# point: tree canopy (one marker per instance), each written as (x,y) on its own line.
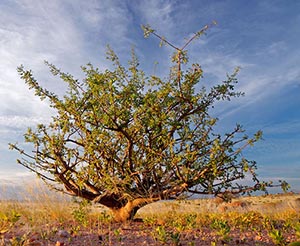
(124,139)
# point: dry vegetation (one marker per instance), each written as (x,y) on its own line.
(45,219)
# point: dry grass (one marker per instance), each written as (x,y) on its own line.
(44,218)
(264,204)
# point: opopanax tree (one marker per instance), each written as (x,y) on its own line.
(124,139)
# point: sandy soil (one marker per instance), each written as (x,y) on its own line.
(140,232)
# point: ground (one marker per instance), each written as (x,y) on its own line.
(252,221)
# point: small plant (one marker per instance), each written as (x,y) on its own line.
(268,223)
(175,238)
(294,244)
(105,217)
(277,237)
(223,229)
(7,221)
(80,214)
(75,229)
(252,218)
(149,220)
(117,233)
(19,241)
(44,235)
(297,230)
(191,220)
(161,234)
(178,225)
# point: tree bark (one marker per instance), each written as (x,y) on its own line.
(128,211)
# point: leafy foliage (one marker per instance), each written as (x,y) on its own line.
(120,135)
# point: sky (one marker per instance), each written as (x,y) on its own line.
(260,36)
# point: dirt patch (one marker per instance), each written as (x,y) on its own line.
(139,233)
(244,221)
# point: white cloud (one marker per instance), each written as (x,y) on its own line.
(8,178)
(103,23)
(71,33)
(258,79)
(16,121)
(34,32)
(30,32)
(291,127)
(157,13)
(60,32)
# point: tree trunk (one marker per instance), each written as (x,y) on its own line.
(128,211)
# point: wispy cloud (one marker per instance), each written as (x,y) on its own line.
(8,179)
(32,32)
(18,122)
(68,34)
(263,39)
(158,14)
(261,42)
(284,128)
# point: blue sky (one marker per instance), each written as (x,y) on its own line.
(262,37)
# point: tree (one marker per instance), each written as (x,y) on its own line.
(124,140)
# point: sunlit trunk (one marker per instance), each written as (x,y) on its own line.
(128,211)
